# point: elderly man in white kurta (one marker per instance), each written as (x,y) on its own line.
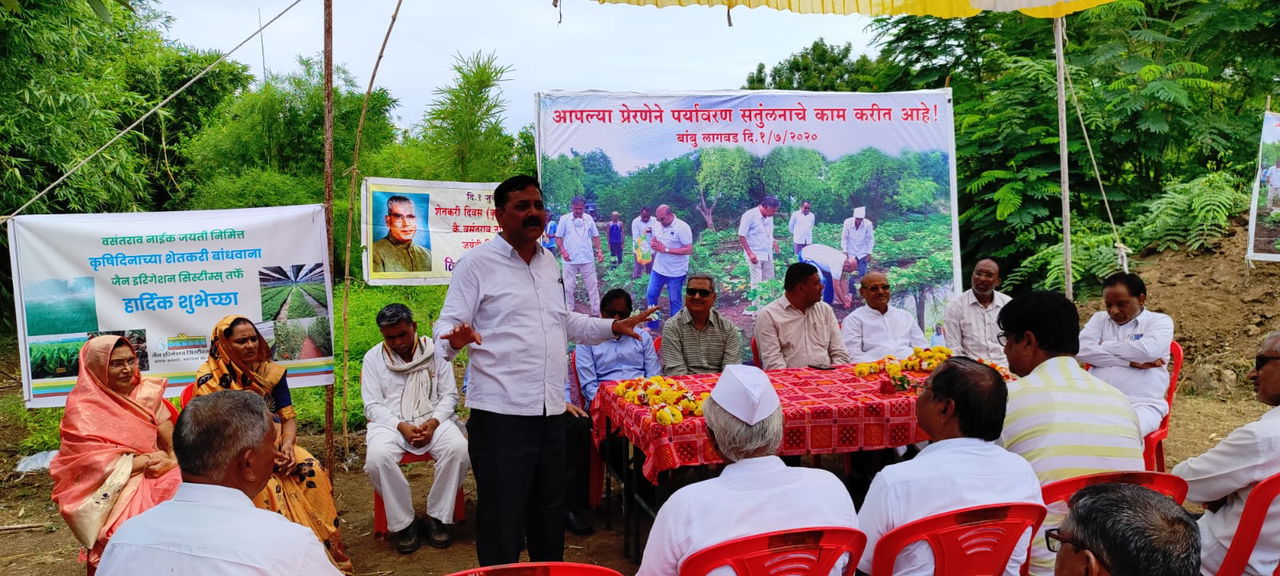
(756,492)
(858,239)
(961,407)
(1127,346)
(878,329)
(409,396)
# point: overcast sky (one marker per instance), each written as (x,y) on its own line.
(604,47)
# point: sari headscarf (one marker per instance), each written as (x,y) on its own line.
(225,370)
(101,432)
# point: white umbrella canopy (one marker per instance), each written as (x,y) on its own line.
(1055,9)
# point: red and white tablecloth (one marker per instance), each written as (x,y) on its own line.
(824,412)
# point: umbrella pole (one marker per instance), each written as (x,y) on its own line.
(1059,26)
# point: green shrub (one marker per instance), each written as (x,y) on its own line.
(1192,215)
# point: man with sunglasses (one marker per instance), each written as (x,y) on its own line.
(961,407)
(397,252)
(1127,345)
(1124,530)
(699,340)
(1223,477)
(1063,420)
(620,358)
(878,329)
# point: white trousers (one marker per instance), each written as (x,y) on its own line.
(760,271)
(382,463)
(1149,418)
(588,272)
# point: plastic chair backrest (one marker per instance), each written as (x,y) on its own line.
(1167,484)
(187,393)
(575,388)
(657,346)
(755,354)
(975,540)
(1175,368)
(540,569)
(799,552)
(1255,511)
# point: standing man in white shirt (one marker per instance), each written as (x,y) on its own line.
(756,492)
(961,407)
(1223,477)
(409,395)
(1128,347)
(799,329)
(504,299)
(672,244)
(642,229)
(755,235)
(878,329)
(801,226)
(577,236)
(858,239)
(969,323)
(225,445)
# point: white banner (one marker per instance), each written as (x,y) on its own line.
(163,280)
(414,231)
(1264,211)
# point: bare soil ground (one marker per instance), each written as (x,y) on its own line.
(1221,313)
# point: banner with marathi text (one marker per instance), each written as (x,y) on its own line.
(415,231)
(163,280)
(863,179)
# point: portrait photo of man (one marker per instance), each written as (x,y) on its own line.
(401,250)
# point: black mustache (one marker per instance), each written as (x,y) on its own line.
(532,221)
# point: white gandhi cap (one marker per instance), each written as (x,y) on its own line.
(745,392)
(860,212)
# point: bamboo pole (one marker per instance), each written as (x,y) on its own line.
(328,202)
(1059,30)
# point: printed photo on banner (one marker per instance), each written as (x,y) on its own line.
(414,231)
(163,281)
(753,181)
(1264,214)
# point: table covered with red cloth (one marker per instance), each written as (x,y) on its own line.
(824,412)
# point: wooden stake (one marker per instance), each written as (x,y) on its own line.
(328,203)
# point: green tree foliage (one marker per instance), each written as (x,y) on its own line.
(462,129)
(795,175)
(724,174)
(822,67)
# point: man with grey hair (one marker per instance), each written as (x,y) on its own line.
(409,395)
(756,493)
(576,237)
(225,445)
(1125,530)
(397,252)
(755,235)
(699,339)
(1223,477)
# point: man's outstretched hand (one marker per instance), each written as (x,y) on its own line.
(627,326)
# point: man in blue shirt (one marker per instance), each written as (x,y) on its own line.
(616,359)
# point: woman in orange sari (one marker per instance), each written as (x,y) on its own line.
(239,359)
(116,458)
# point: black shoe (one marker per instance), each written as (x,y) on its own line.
(406,541)
(579,523)
(438,534)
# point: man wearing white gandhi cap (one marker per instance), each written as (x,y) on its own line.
(858,239)
(755,493)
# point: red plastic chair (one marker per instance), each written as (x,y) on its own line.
(657,345)
(380,515)
(540,569)
(187,393)
(976,540)
(755,355)
(1251,519)
(1167,484)
(1153,444)
(800,552)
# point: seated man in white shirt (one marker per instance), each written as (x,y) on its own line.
(756,492)
(619,358)
(1125,529)
(961,407)
(970,319)
(878,329)
(1223,477)
(409,394)
(1127,346)
(799,329)
(225,445)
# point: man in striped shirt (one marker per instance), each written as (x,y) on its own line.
(698,340)
(1063,420)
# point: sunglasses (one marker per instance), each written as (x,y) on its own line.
(697,292)
(1053,540)
(1260,361)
